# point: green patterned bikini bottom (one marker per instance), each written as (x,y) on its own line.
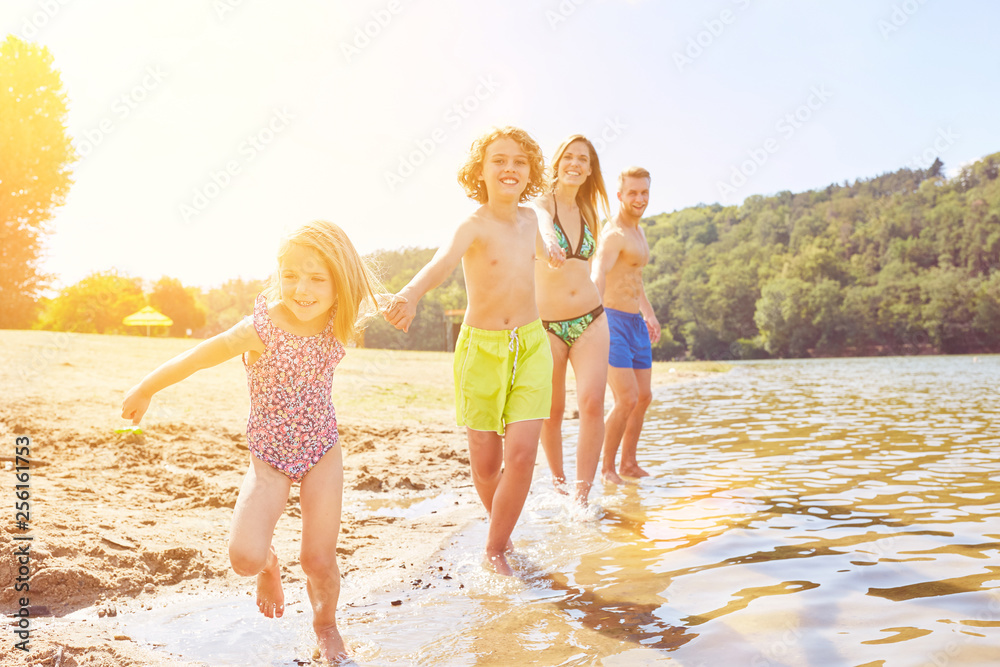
(569,331)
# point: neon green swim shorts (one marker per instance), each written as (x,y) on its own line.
(502,377)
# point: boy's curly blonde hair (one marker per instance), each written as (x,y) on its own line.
(470,172)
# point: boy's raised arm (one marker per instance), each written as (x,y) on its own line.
(212,352)
(444,261)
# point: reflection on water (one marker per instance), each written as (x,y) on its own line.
(820,512)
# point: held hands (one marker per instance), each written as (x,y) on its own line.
(135,404)
(556,255)
(401,313)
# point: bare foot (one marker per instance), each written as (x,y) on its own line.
(499,564)
(632,471)
(331,644)
(270,596)
(611,477)
(560,485)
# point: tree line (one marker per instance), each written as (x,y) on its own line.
(902,263)
(99,303)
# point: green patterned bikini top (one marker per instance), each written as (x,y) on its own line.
(587,245)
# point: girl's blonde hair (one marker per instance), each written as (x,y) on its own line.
(355,287)
(470,172)
(592,193)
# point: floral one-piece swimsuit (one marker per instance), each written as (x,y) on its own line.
(292,422)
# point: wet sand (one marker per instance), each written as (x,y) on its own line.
(120,521)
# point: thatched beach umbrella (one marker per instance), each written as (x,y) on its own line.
(148,317)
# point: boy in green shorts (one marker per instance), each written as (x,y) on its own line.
(503,364)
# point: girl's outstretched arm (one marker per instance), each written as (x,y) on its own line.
(212,352)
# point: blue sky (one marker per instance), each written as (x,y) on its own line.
(208,127)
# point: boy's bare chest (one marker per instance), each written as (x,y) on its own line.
(515,249)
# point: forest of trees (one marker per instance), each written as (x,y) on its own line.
(99,303)
(903,263)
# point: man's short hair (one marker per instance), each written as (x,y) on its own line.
(632,172)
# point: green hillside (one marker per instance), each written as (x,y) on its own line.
(902,263)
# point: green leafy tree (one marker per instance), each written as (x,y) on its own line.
(96,304)
(429,329)
(226,305)
(35,155)
(179,303)
(783,317)
(949,308)
(986,321)
(899,323)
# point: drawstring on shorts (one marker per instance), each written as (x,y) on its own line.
(513,346)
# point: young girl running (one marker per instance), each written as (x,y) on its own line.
(322,292)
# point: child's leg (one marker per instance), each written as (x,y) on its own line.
(486,460)
(552,428)
(519,451)
(322,495)
(259,506)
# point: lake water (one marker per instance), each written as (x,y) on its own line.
(816,512)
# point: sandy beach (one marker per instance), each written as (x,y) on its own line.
(121,520)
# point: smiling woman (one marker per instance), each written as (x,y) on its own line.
(570,304)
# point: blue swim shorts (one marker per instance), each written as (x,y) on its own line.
(630,346)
